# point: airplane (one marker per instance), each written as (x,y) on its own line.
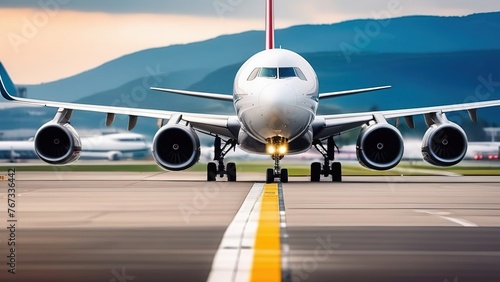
(275,96)
(115,146)
(15,150)
(112,147)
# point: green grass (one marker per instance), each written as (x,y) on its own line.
(294,170)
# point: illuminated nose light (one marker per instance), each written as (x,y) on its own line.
(271,149)
(277,149)
(283,149)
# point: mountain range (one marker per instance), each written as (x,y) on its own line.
(428,61)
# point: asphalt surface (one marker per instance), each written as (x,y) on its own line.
(408,229)
(167,227)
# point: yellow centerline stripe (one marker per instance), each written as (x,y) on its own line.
(267,254)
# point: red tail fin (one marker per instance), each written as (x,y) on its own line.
(270,24)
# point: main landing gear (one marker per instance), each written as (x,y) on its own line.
(219,169)
(325,169)
(277,147)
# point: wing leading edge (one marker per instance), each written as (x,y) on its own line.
(351,92)
(214,96)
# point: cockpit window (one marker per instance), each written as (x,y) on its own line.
(287,72)
(254,74)
(274,73)
(269,72)
(300,74)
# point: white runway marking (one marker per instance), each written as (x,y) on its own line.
(443,215)
(462,222)
(233,260)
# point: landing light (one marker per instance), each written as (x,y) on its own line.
(271,150)
(277,149)
(283,149)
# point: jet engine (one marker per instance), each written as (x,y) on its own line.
(444,144)
(176,147)
(380,146)
(57,143)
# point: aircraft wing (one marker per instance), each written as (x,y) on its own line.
(214,96)
(335,124)
(350,92)
(216,124)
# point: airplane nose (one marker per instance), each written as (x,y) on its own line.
(277,94)
(277,104)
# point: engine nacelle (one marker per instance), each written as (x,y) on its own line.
(57,143)
(176,147)
(444,144)
(380,146)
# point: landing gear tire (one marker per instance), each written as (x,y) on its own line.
(315,172)
(284,175)
(219,169)
(336,172)
(269,176)
(326,169)
(211,172)
(231,172)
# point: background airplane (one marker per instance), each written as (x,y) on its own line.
(113,147)
(483,151)
(276,96)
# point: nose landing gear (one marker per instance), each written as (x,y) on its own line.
(277,147)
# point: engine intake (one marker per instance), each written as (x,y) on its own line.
(444,144)
(57,143)
(379,146)
(176,147)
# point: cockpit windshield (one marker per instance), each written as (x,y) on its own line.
(277,73)
(287,72)
(269,72)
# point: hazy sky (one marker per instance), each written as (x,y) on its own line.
(44,40)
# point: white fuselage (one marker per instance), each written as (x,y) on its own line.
(115,146)
(276,95)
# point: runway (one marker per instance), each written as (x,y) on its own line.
(169,226)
